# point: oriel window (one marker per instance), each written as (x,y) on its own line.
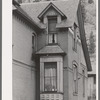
(52,32)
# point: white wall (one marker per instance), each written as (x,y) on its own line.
(24,81)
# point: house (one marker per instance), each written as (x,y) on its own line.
(50,55)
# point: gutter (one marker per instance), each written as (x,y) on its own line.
(83,38)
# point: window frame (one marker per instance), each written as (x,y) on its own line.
(83,73)
(75,79)
(59,60)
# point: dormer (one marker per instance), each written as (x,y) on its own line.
(51,11)
(51,16)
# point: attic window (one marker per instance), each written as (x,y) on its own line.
(52,21)
(52,33)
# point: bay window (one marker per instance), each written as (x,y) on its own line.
(51,74)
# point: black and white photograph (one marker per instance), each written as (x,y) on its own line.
(54,51)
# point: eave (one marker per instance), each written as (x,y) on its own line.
(23,16)
(51,50)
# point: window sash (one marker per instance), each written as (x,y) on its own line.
(52,24)
(50,76)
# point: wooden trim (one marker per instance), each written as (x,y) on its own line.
(23,16)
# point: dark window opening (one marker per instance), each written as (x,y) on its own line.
(75,38)
(75,75)
(83,82)
(33,41)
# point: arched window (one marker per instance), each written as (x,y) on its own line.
(83,72)
(75,79)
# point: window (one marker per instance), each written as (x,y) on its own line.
(75,76)
(52,33)
(50,76)
(83,72)
(75,38)
(33,41)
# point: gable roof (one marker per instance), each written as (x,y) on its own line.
(35,9)
(51,5)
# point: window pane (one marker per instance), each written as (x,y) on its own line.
(47,84)
(52,24)
(52,38)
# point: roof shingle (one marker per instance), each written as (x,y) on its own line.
(51,49)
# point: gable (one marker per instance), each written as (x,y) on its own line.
(51,6)
(51,12)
